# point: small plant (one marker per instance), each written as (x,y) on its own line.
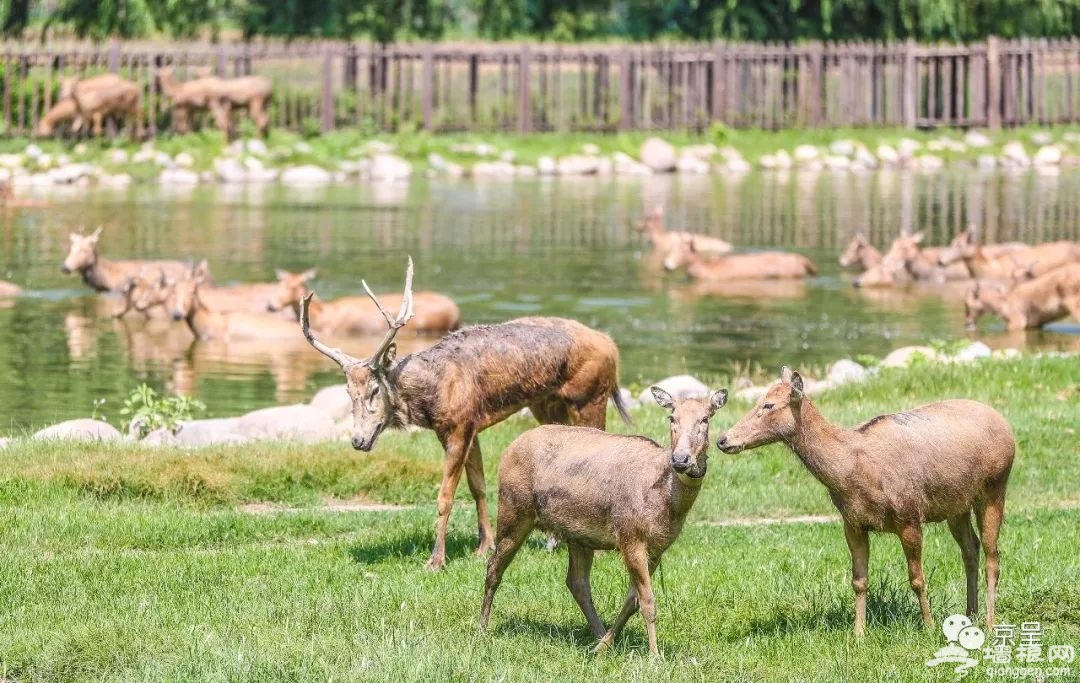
(96,414)
(868,360)
(146,411)
(948,347)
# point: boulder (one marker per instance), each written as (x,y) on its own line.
(178,176)
(907,147)
(843,148)
(547,166)
(117,156)
(986,162)
(903,356)
(300,422)
(1048,155)
(887,155)
(783,160)
(184,160)
(32,151)
(333,401)
(198,433)
(971,352)
(846,371)
(624,164)
(229,170)
(493,169)
(767,161)
(588,149)
(525,171)
(256,147)
(577,164)
(804,154)
(82,430)
(1014,154)
(66,175)
(865,159)
(930,163)
(114,180)
(706,151)
(837,163)
(679,386)
(977,139)
(305,175)
(1042,138)
(659,155)
(736,165)
(389,167)
(692,165)
(11,160)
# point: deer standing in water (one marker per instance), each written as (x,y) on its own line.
(938,462)
(860,252)
(563,371)
(664,240)
(1029,304)
(764,265)
(574,483)
(105,275)
(992,265)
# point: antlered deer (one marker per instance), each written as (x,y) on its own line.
(358,314)
(573,482)
(860,252)
(938,462)
(1030,304)
(563,371)
(765,265)
(663,241)
(984,264)
(105,275)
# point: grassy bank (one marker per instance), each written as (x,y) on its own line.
(122,564)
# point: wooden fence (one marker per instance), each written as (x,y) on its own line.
(538,87)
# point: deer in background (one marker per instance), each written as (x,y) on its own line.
(563,371)
(64,110)
(663,241)
(190,97)
(938,462)
(986,264)
(10,289)
(573,482)
(358,314)
(105,275)
(765,265)
(184,302)
(150,290)
(105,95)
(1029,304)
(860,252)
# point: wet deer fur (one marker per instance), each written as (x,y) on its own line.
(894,473)
(1028,305)
(664,240)
(563,371)
(860,252)
(106,275)
(984,264)
(574,483)
(764,265)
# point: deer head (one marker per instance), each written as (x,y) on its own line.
(291,288)
(369,381)
(681,253)
(855,248)
(183,295)
(962,247)
(144,290)
(773,418)
(689,421)
(83,252)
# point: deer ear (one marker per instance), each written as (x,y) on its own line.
(717,399)
(97,233)
(281,274)
(797,392)
(663,398)
(390,355)
(785,375)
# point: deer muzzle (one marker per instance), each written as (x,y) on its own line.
(362,442)
(726,446)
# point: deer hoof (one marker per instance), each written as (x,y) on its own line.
(602,646)
(435,564)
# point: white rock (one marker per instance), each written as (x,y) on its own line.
(437,161)
(162,159)
(117,156)
(83,430)
(229,170)
(977,139)
(547,166)
(65,175)
(751,394)
(706,151)
(604,166)
(1048,155)
(256,147)
(1071,137)
(783,160)
(196,433)
(333,402)
(302,147)
(290,423)
(907,147)
(887,155)
(485,150)
(837,163)
(930,163)
(767,161)
(305,175)
(114,180)
(509,156)
(44,160)
(1042,138)
(692,165)
(11,160)
(986,162)
(493,169)
(1014,154)
(804,154)
(143,156)
(843,148)
(737,166)
(348,166)
(32,151)
(679,386)
(937,145)
(624,164)
(525,171)
(973,351)
(390,167)
(903,356)
(253,164)
(864,158)
(80,149)
(184,160)
(178,176)
(659,155)
(577,164)
(846,371)
(588,148)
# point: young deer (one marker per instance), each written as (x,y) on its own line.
(664,240)
(357,314)
(938,462)
(103,274)
(860,252)
(573,482)
(563,371)
(146,291)
(1029,304)
(184,302)
(984,264)
(765,265)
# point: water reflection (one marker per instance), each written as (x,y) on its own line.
(548,246)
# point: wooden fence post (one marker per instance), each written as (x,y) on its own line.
(427,85)
(114,56)
(626,89)
(817,86)
(222,67)
(911,84)
(525,90)
(327,90)
(719,80)
(993,83)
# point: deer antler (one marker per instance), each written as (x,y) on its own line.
(337,355)
(395,323)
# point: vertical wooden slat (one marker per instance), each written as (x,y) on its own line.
(993,84)
(911,85)
(626,90)
(525,118)
(327,105)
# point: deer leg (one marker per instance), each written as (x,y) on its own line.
(630,605)
(98,118)
(858,541)
(577,580)
(961,529)
(990,514)
(911,540)
(514,528)
(457,449)
(594,413)
(474,474)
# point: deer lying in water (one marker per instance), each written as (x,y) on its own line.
(1030,304)
(184,302)
(359,315)
(765,265)
(105,275)
(148,290)
(860,252)
(573,482)
(663,241)
(987,265)
(563,371)
(938,462)
(906,261)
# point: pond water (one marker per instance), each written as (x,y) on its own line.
(501,250)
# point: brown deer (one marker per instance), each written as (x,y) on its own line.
(860,252)
(359,315)
(765,265)
(105,275)
(190,97)
(907,261)
(1030,304)
(64,110)
(107,95)
(147,291)
(663,241)
(184,302)
(989,265)
(563,371)
(251,93)
(938,462)
(573,482)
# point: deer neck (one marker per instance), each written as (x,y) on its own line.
(822,447)
(657,234)
(103,275)
(168,85)
(870,256)
(204,323)
(977,264)
(414,394)
(683,492)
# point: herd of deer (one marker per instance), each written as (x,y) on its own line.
(1026,286)
(96,98)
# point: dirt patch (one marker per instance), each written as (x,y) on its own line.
(328,505)
(773,521)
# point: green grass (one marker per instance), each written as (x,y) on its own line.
(123,564)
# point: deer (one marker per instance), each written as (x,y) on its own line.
(104,275)
(573,482)
(10,289)
(358,315)
(147,291)
(982,264)
(106,95)
(1027,305)
(251,93)
(765,265)
(860,252)
(188,97)
(563,371)
(184,302)
(664,241)
(906,260)
(894,473)
(64,110)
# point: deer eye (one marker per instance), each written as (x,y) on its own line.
(671,419)
(767,406)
